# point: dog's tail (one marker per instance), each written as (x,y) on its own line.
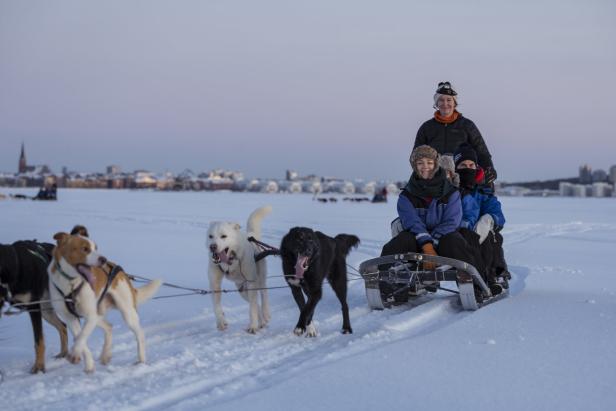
(345,242)
(147,291)
(254,221)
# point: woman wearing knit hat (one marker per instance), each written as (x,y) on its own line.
(430,212)
(448,129)
(482,218)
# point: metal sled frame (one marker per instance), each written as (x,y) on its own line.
(406,272)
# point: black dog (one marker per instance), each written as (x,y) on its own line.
(24,279)
(308,257)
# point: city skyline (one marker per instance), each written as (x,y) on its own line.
(586,173)
(330,88)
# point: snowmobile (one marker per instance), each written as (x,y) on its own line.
(394,279)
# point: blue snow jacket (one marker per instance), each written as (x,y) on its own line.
(430,219)
(477,202)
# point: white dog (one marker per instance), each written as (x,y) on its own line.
(233,257)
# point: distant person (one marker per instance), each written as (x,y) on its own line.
(430,213)
(42,194)
(381,196)
(53,192)
(482,218)
(448,129)
(47,193)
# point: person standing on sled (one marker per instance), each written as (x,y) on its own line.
(430,213)
(482,218)
(448,129)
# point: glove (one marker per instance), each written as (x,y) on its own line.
(428,248)
(489,175)
(484,226)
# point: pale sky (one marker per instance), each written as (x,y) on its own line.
(335,88)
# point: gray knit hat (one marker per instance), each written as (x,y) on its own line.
(424,152)
(446,162)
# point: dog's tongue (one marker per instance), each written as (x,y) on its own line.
(87,273)
(223,257)
(300,266)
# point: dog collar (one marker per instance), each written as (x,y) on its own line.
(61,271)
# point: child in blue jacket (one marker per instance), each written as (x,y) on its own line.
(482,216)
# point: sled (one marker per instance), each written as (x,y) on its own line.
(394,279)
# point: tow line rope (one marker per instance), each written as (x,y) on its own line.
(266,251)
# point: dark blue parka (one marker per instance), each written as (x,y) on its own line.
(430,219)
(477,202)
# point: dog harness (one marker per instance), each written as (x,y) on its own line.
(266,249)
(113,272)
(69,300)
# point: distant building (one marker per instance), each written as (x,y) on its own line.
(113,169)
(289,186)
(565,189)
(312,187)
(23,167)
(270,187)
(601,189)
(34,170)
(292,175)
(579,190)
(585,174)
(599,176)
(145,179)
(612,176)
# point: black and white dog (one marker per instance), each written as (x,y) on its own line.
(308,257)
(24,279)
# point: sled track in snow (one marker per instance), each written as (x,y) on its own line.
(192,361)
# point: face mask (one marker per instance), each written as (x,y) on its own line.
(467,177)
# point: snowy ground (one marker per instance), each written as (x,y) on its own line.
(550,345)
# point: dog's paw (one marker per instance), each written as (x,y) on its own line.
(252,330)
(74,358)
(347,331)
(105,359)
(61,354)
(36,368)
(299,331)
(89,370)
(311,331)
(221,325)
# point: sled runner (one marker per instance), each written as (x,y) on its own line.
(393,279)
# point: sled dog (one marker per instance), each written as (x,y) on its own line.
(308,257)
(25,283)
(80,274)
(232,256)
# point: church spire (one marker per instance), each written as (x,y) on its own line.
(22,160)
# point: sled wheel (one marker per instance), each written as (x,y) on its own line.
(468,297)
(375,299)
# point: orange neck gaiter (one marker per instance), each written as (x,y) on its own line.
(446,120)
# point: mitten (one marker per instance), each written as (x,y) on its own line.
(489,175)
(428,248)
(484,226)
